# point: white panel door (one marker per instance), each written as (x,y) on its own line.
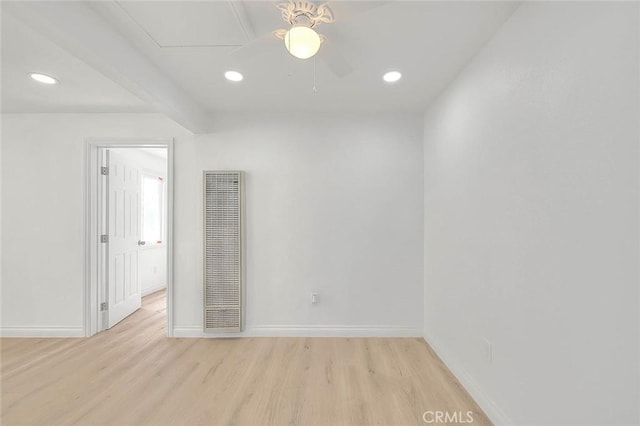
(124,234)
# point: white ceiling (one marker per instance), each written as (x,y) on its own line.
(188,46)
(81,88)
(173,24)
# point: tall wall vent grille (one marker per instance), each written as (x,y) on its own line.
(223,251)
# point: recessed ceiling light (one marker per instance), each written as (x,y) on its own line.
(233,76)
(392,76)
(43,78)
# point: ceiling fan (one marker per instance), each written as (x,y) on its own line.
(301,39)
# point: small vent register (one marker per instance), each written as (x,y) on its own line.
(223,251)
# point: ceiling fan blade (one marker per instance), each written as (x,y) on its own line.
(255,47)
(344,11)
(347,10)
(331,55)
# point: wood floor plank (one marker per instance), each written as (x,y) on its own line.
(134,375)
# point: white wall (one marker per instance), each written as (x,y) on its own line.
(152,258)
(152,269)
(531,217)
(334,206)
(43,213)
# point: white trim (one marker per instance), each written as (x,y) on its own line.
(42,332)
(91,324)
(490,408)
(153,290)
(169,238)
(304,331)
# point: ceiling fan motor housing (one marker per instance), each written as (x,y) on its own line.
(303,12)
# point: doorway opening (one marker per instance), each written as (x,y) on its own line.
(129,230)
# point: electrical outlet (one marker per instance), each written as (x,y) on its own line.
(314,298)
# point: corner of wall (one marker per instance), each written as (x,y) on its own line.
(490,408)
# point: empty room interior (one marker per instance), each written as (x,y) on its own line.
(313,213)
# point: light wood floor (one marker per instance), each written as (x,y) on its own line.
(134,375)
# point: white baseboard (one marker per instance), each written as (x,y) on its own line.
(490,408)
(153,290)
(304,331)
(42,332)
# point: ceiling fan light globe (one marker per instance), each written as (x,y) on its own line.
(302,42)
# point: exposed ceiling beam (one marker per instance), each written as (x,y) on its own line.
(240,13)
(79,29)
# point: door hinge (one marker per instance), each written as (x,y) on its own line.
(104,306)
(104,171)
(104,238)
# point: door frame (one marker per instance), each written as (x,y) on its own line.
(94,283)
